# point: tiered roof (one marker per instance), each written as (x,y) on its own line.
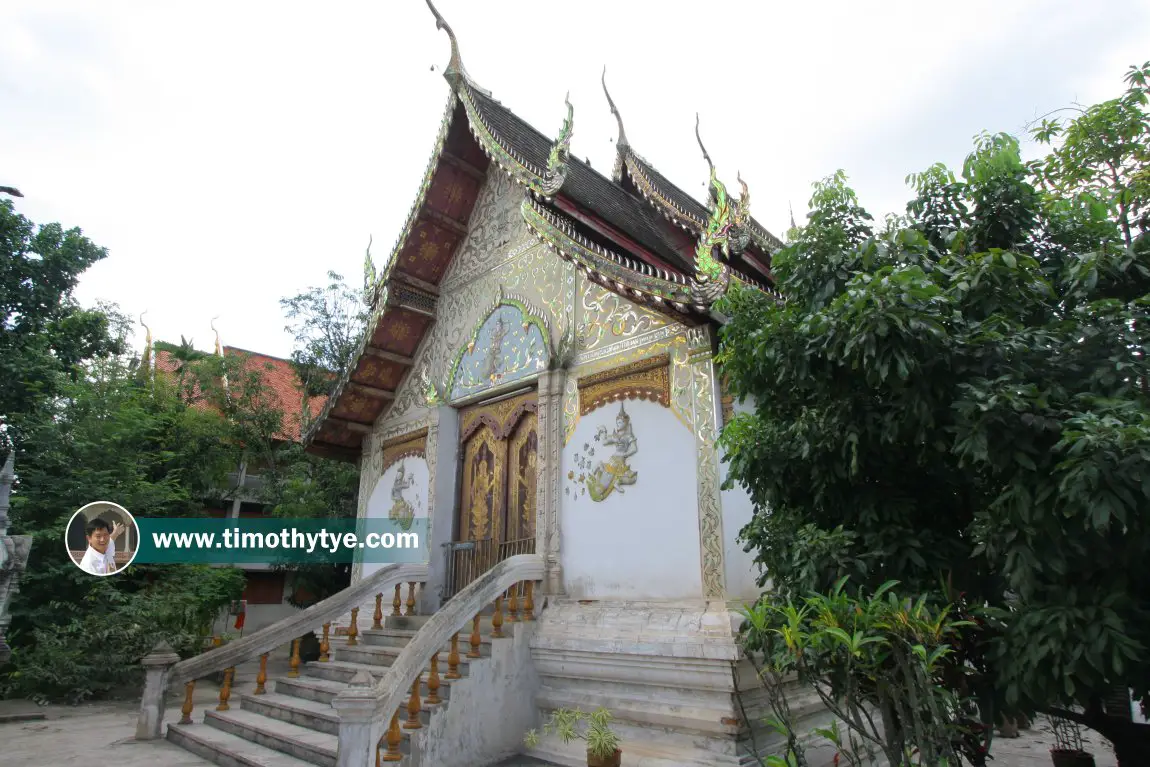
(637,234)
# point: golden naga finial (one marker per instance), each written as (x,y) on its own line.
(622,139)
(455,72)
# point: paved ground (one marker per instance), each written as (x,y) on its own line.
(70,734)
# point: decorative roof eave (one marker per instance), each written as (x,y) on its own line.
(377,293)
(542,182)
(632,279)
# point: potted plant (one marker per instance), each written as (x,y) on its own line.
(1068,751)
(602,742)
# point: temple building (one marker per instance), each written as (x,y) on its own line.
(537,379)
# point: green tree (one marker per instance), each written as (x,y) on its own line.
(961,398)
(327,325)
(44,333)
(109,437)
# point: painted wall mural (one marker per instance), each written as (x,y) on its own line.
(599,479)
(509,345)
(401,510)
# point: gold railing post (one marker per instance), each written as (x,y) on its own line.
(453,658)
(186,709)
(217,641)
(529,603)
(377,619)
(513,604)
(226,689)
(353,628)
(475,638)
(325,645)
(398,601)
(433,681)
(394,737)
(262,677)
(497,619)
(294,659)
(413,706)
(410,599)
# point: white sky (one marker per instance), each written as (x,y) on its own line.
(230,153)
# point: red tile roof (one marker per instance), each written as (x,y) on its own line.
(278,377)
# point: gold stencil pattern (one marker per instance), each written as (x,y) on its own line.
(500,416)
(607,316)
(484,459)
(647,379)
(405,446)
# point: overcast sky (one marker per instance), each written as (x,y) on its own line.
(231,153)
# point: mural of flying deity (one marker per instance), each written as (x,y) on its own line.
(401,511)
(509,345)
(604,478)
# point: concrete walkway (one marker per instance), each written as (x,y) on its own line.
(75,733)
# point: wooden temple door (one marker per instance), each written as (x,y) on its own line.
(499,455)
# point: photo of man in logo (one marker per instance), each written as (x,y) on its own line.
(93,534)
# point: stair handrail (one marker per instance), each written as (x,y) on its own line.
(395,684)
(294,626)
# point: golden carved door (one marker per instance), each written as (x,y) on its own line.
(500,450)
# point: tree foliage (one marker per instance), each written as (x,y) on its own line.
(962,397)
(44,333)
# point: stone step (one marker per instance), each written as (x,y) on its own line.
(228,750)
(375,655)
(680,716)
(318,748)
(400,638)
(311,714)
(324,690)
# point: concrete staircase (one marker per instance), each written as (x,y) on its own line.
(293,723)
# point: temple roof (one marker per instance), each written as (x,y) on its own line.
(604,226)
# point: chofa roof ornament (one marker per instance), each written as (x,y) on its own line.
(620,142)
(455,72)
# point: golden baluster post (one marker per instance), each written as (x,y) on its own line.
(394,737)
(186,709)
(226,690)
(217,641)
(513,604)
(413,706)
(453,658)
(529,603)
(397,603)
(377,619)
(475,638)
(410,599)
(294,663)
(325,645)
(262,677)
(433,681)
(497,619)
(353,628)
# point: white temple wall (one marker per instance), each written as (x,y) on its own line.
(740,570)
(642,540)
(380,503)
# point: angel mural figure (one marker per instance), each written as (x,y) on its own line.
(401,511)
(612,474)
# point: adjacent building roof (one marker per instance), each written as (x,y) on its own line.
(637,234)
(278,377)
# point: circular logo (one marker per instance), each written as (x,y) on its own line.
(102,538)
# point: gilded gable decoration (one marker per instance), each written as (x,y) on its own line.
(405,446)
(510,344)
(501,417)
(648,379)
